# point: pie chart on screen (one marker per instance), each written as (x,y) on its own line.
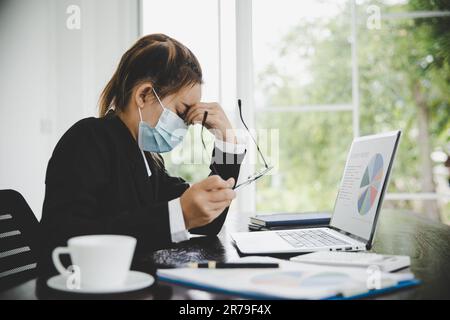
(370,184)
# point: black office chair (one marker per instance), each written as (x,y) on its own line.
(18,240)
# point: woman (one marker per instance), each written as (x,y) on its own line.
(106,175)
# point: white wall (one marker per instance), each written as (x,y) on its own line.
(51,77)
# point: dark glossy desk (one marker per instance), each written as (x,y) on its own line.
(399,232)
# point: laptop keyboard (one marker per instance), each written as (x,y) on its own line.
(310,238)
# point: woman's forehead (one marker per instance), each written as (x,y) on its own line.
(190,95)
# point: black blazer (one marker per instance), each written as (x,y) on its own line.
(97,183)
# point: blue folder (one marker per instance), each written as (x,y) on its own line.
(292,219)
(253,295)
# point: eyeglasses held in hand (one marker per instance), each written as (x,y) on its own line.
(252,178)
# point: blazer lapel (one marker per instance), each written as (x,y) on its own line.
(133,155)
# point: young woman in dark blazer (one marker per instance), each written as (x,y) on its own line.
(106,175)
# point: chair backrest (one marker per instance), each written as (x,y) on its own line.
(18,240)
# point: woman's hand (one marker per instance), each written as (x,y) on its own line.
(205,201)
(217,121)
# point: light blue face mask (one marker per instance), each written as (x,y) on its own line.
(166,135)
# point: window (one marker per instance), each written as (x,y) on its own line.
(318,61)
(402,84)
(307,100)
(320,72)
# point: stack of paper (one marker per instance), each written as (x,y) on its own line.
(291,281)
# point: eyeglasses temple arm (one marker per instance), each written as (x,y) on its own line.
(254,140)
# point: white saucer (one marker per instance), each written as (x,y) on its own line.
(135,281)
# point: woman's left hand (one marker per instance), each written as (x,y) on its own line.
(217,121)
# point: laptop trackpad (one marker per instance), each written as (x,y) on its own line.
(260,242)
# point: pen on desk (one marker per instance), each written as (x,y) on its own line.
(222,265)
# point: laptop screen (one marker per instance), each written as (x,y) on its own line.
(363,183)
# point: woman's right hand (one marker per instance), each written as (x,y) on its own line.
(205,201)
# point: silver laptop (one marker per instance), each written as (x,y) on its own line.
(356,210)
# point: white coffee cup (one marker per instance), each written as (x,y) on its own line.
(102,261)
